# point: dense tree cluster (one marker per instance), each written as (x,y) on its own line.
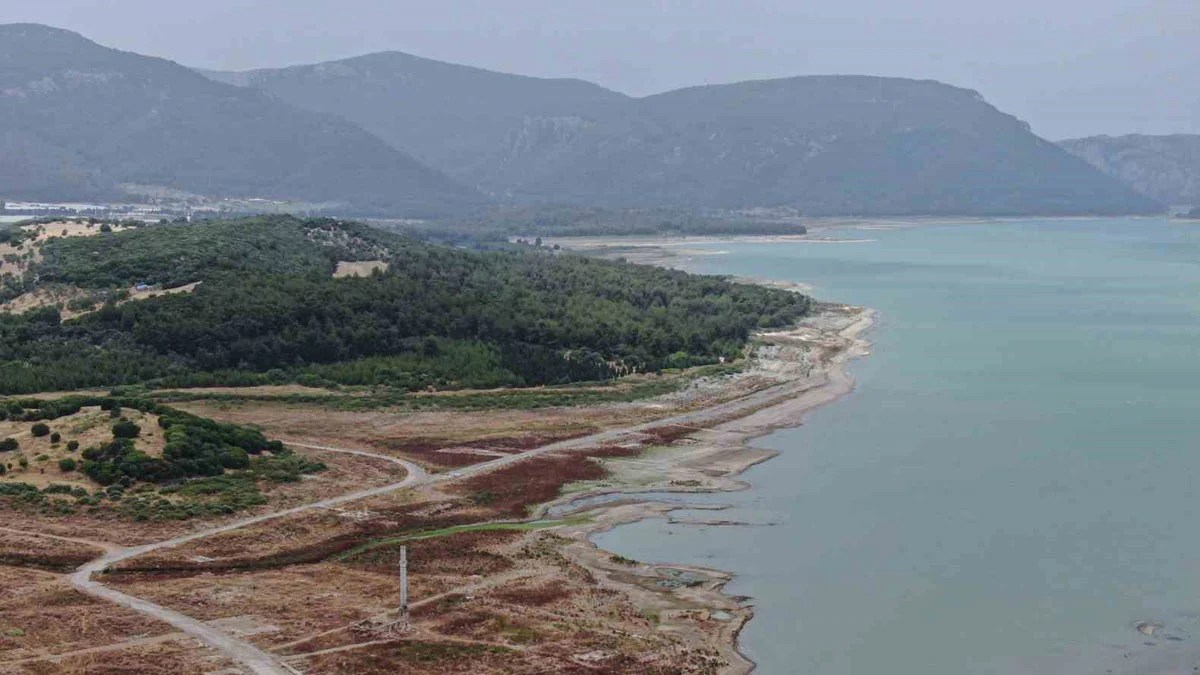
(439,316)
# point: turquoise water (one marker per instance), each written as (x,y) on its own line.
(1013,484)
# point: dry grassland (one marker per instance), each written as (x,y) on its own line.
(89,427)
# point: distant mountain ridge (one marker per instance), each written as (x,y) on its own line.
(77,120)
(457,118)
(1164,168)
(827,145)
(401,136)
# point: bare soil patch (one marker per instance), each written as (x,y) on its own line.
(41,614)
(47,296)
(359,268)
(61,295)
(67,228)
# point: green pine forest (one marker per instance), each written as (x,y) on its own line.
(269,310)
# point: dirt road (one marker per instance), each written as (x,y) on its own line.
(263,663)
(245,653)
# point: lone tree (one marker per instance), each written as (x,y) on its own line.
(40,429)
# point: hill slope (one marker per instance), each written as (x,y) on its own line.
(457,118)
(827,145)
(270,309)
(1165,168)
(77,120)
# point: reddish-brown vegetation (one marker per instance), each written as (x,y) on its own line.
(411,656)
(432,452)
(668,433)
(511,490)
(529,441)
(449,453)
(44,553)
(459,554)
(40,613)
(612,451)
(534,596)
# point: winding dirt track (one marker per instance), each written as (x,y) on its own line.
(262,663)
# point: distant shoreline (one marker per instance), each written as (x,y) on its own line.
(671,250)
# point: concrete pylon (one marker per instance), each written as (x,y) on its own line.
(404,586)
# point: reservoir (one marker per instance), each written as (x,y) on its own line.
(1013,487)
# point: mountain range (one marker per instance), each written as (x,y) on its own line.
(395,134)
(824,145)
(1164,168)
(78,121)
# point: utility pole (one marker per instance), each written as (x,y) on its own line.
(404,587)
(373,626)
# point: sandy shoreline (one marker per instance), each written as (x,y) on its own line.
(810,360)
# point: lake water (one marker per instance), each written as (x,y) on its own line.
(1014,483)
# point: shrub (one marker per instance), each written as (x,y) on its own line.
(72,446)
(9,444)
(67,465)
(40,429)
(126,429)
(81,304)
(55,437)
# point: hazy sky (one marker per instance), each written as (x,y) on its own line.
(1069,67)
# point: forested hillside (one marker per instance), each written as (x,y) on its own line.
(269,308)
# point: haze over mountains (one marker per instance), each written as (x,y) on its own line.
(1164,168)
(825,145)
(77,120)
(399,135)
(459,118)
